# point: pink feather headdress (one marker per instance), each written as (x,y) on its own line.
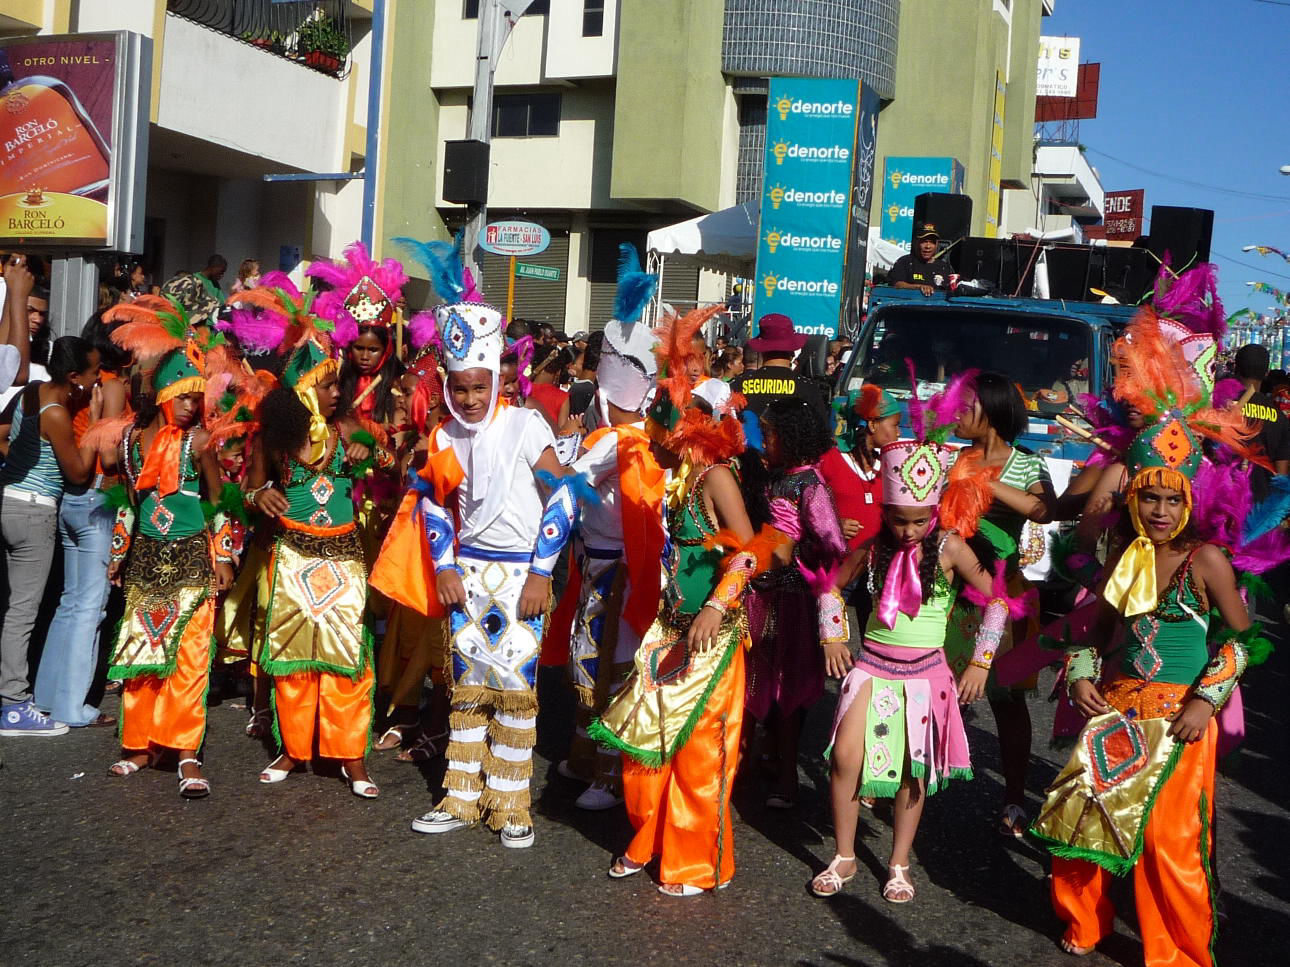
(363,292)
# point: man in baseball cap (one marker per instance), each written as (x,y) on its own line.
(921,269)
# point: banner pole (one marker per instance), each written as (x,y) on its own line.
(510,292)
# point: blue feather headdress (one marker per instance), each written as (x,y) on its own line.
(442,260)
(635,287)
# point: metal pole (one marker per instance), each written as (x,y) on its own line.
(376,72)
(510,292)
(73,294)
(496,18)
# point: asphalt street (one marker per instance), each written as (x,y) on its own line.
(108,871)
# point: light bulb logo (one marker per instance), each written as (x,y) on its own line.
(768,282)
(783,106)
(772,239)
(776,196)
(780,151)
(893,212)
(895,178)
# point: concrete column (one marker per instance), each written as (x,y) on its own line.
(577,294)
(73,294)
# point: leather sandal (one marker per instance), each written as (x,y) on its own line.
(258,725)
(390,739)
(425,748)
(897,885)
(1075,951)
(193,787)
(829,882)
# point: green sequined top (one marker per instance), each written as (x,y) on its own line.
(1168,643)
(924,630)
(321,498)
(176,515)
(692,568)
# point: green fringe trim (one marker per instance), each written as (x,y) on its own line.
(114,498)
(210,660)
(1117,865)
(1258,648)
(919,771)
(878,790)
(228,503)
(125,672)
(1257,588)
(278,668)
(1205,846)
(652,758)
(363,437)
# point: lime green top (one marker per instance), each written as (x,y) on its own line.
(176,515)
(924,630)
(321,498)
(693,569)
(1168,644)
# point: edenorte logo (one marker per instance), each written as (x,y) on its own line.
(809,152)
(896,212)
(938,180)
(786,105)
(773,283)
(778,195)
(802,243)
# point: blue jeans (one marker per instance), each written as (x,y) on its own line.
(72,643)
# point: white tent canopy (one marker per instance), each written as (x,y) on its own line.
(723,241)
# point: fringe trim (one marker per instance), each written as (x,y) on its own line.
(514,738)
(125,672)
(467,812)
(503,808)
(481,696)
(454,780)
(878,790)
(467,718)
(1117,865)
(1206,847)
(505,769)
(919,771)
(466,751)
(653,758)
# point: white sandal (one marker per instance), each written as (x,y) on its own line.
(261,720)
(193,787)
(362,788)
(898,883)
(687,890)
(830,879)
(122,768)
(269,774)
(629,868)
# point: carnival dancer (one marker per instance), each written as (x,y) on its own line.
(795,614)
(1022,492)
(898,732)
(613,592)
(678,719)
(169,564)
(1138,792)
(314,640)
(867,420)
(488,565)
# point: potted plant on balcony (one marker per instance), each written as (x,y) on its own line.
(322,44)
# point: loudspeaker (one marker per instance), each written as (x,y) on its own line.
(814,358)
(977,258)
(465,172)
(1183,232)
(1068,269)
(950,215)
(1128,273)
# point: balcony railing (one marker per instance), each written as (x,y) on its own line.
(313,32)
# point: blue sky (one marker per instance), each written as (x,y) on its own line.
(1197,90)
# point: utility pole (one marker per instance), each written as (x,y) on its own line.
(496,20)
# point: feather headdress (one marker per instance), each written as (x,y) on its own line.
(363,292)
(675,351)
(153,326)
(449,277)
(934,420)
(1191,299)
(635,287)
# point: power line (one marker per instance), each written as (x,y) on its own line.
(1192,184)
(1250,265)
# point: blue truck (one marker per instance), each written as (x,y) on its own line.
(1053,349)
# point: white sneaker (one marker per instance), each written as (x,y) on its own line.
(597,797)
(437,821)
(517,837)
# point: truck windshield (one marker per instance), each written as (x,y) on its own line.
(1039,352)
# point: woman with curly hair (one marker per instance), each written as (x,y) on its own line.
(787,661)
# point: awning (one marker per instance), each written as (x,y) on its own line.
(723,241)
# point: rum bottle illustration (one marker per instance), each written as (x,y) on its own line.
(47,141)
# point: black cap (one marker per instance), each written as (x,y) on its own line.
(926,230)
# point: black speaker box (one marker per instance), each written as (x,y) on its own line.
(465,172)
(1182,232)
(1068,272)
(814,358)
(1128,273)
(950,215)
(977,258)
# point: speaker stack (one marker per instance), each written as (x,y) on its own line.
(951,215)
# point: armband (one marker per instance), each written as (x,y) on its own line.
(740,569)
(834,626)
(1082,664)
(122,532)
(558,518)
(223,538)
(440,535)
(1220,677)
(994,619)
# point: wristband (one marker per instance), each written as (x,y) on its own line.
(222,539)
(833,625)
(1082,664)
(558,518)
(990,633)
(122,532)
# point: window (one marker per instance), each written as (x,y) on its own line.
(603,266)
(593,18)
(526,115)
(470,10)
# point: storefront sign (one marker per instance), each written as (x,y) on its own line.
(1123,213)
(1058,67)
(819,152)
(514,237)
(74,140)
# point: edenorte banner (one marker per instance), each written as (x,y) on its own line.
(904,179)
(73,140)
(811,164)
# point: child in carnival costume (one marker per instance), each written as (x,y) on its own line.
(613,592)
(898,732)
(678,718)
(1138,792)
(472,540)
(313,639)
(164,550)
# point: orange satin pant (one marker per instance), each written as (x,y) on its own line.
(171,711)
(682,811)
(336,709)
(1170,886)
